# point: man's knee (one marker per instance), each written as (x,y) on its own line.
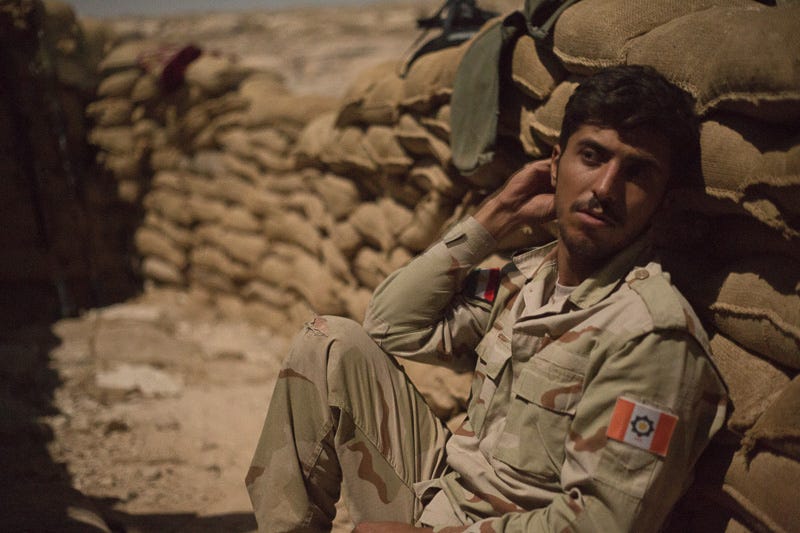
(327,337)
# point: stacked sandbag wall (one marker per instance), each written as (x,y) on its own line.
(59,224)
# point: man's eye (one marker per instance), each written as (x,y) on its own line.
(590,155)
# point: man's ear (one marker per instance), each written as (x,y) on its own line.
(554,157)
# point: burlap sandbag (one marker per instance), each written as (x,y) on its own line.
(170,205)
(124,167)
(206,210)
(269,138)
(167,179)
(346,154)
(293,228)
(110,111)
(429,217)
(181,236)
(382,146)
(373,97)
(215,74)
(125,56)
(445,391)
(336,262)
(157,269)
(755,302)
(260,85)
(346,238)
(742,59)
(439,124)
(429,176)
(213,258)
(210,280)
(118,84)
(312,208)
(256,199)
(593,34)
(371,221)
(241,219)
(429,80)
(146,89)
(245,247)
(763,486)
(318,287)
(779,427)
(290,109)
(753,382)
(534,68)
(356,302)
(313,139)
(548,117)
(117,140)
(371,267)
(421,142)
(340,195)
(274,270)
(150,242)
(754,166)
(268,293)
(168,158)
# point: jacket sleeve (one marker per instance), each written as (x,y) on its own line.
(418,311)
(609,485)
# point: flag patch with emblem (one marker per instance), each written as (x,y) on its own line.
(642,426)
(482,284)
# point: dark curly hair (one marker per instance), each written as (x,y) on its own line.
(635,96)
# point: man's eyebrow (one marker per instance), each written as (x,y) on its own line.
(591,143)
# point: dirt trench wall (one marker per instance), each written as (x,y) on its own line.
(61,231)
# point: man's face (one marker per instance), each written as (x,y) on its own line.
(608,187)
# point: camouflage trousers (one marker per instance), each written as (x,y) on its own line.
(343,416)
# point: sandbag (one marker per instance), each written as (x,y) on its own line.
(779,428)
(118,84)
(318,287)
(356,302)
(313,139)
(755,167)
(214,259)
(340,195)
(753,382)
(312,208)
(150,242)
(373,97)
(755,302)
(170,205)
(429,176)
(371,221)
(116,140)
(346,154)
(210,280)
(439,124)
(429,80)
(215,74)
(429,217)
(245,247)
(206,210)
(292,228)
(593,34)
(548,117)
(177,234)
(346,238)
(733,57)
(419,141)
(371,267)
(110,111)
(157,269)
(382,147)
(125,56)
(761,485)
(534,68)
(265,292)
(294,110)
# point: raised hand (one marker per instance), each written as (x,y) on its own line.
(526,198)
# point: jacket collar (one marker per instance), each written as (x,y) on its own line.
(541,262)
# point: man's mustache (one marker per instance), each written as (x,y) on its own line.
(604,208)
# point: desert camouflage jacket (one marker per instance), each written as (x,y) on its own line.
(585,414)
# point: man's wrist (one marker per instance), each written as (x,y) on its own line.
(495,219)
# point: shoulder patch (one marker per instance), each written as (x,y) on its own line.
(482,284)
(642,426)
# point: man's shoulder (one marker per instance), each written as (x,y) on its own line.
(667,308)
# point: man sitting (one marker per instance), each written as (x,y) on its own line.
(593,395)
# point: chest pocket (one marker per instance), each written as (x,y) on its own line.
(543,403)
(494,351)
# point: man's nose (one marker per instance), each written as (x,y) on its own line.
(609,180)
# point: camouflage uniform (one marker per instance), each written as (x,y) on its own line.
(533,453)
